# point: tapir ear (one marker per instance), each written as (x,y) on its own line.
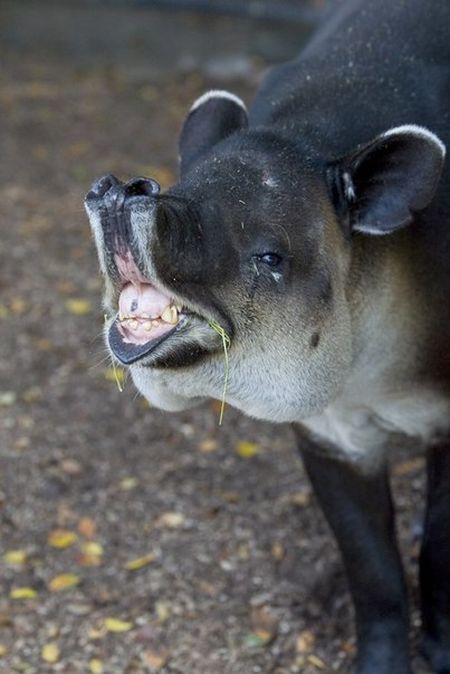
(384,183)
(214,116)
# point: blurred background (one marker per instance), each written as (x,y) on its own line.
(134,541)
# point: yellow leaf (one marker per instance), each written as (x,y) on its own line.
(92,548)
(3,311)
(15,557)
(96,666)
(78,306)
(116,625)
(23,593)
(247,450)
(316,662)
(65,581)
(128,483)
(3,651)
(162,611)
(61,538)
(138,563)
(50,652)
(115,374)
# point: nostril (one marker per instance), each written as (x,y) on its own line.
(142,187)
(101,186)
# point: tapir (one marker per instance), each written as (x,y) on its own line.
(307,244)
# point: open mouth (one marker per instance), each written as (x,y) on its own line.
(147,316)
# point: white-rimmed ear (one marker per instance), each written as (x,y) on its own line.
(212,117)
(385,182)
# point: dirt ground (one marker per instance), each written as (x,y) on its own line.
(133,541)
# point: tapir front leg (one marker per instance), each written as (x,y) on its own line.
(435,562)
(359,510)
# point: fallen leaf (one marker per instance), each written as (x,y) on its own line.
(65,581)
(61,538)
(92,548)
(50,653)
(18,305)
(208,445)
(155,659)
(15,557)
(247,450)
(78,306)
(96,666)
(116,625)
(316,662)
(162,611)
(3,311)
(278,552)
(128,483)
(87,527)
(171,520)
(305,642)
(301,499)
(23,593)
(32,394)
(7,398)
(256,640)
(71,466)
(3,651)
(140,562)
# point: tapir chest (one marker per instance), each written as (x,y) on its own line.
(366,432)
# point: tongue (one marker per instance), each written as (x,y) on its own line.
(139,303)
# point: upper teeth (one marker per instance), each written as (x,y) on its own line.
(170,314)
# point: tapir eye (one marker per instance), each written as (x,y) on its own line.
(270,259)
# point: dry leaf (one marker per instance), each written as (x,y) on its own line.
(278,552)
(87,527)
(316,662)
(78,306)
(305,642)
(171,520)
(162,611)
(128,483)
(23,593)
(140,562)
(208,445)
(155,659)
(61,538)
(116,625)
(50,653)
(247,450)
(15,557)
(301,499)
(3,651)
(7,398)
(96,666)
(18,305)
(92,548)
(64,581)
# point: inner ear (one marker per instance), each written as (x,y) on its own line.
(213,117)
(382,184)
